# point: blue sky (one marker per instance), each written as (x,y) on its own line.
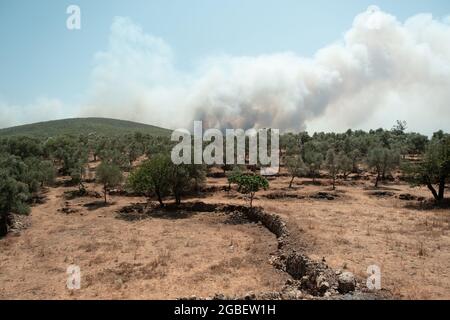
(40,57)
(35,41)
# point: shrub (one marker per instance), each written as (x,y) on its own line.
(249,184)
(109,175)
(295,166)
(152,177)
(434,168)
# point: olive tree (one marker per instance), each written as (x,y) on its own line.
(332,165)
(109,175)
(417,143)
(313,161)
(354,157)
(39,173)
(231,175)
(345,164)
(77,168)
(383,160)
(132,150)
(296,167)
(152,177)
(13,197)
(249,184)
(184,177)
(434,169)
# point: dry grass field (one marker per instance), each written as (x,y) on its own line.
(358,229)
(200,254)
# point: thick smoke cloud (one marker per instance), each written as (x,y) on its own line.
(381,70)
(136,79)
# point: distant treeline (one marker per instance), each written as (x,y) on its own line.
(27,164)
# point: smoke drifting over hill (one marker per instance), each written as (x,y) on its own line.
(379,71)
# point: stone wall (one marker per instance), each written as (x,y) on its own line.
(309,277)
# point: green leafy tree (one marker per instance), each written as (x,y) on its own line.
(354,157)
(399,127)
(313,160)
(434,169)
(38,173)
(383,160)
(231,176)
(13,197)
(375,161)
(291,143)
(100,144)
(296,167)
(332,165)
(184,177)
(23,147)
(109,175)
(345,164)
(133,151)
(417,143)
(157,145)
(47,173)
(117,156)
(152,177)
(78,160)
(249,184)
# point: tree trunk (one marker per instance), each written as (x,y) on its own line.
(433,191)
(354,166)
(105,192)
(334,182)
(251,199)
(441,188)
(377,179)
(9,220)
(3,225)
(290,183)
(158,194)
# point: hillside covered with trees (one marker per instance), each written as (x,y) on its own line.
(77,126)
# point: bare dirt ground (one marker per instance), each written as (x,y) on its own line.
(200,255)
(157,258)
(358,229)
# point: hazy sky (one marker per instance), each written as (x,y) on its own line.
(195,58)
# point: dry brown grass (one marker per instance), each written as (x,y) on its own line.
(412,247)
(201,255)
(148,259)
(357,230)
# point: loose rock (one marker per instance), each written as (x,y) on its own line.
(346,282)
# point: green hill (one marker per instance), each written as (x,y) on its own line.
(77,126)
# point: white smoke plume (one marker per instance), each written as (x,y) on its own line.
(382,70)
